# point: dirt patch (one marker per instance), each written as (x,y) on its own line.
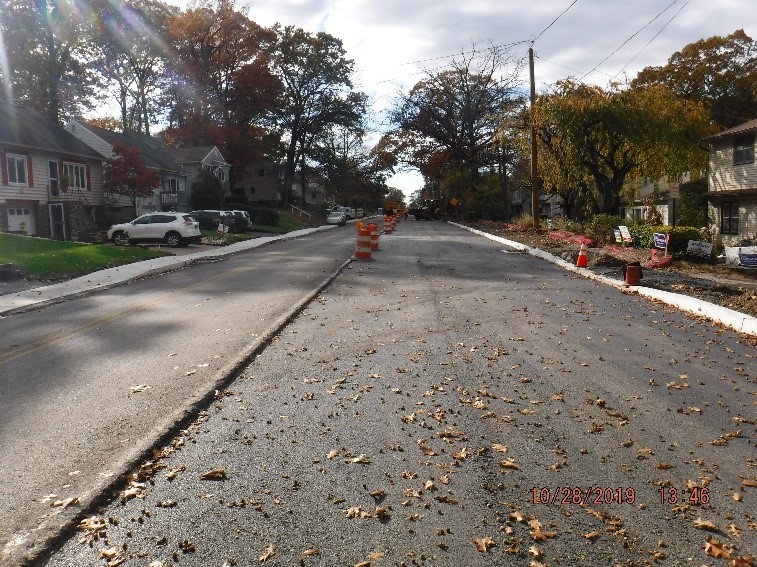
(734,288)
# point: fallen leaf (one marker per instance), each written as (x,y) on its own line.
(462,454)
(215,474)
(269,552)
(499,448)
(536,551)
(426,450)
(331,455)
(508,464)
(542,536)
(66,503)
(375,555)
(140,388)
(484,543)
(361,458)
(714,548)
(705,525)
(311,552)
(749,482)
(591,536)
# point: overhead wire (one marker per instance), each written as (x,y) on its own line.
(637,32)
(553,22)
(653,38)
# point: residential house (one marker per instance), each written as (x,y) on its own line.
(178,167)
(51,183)
(732,185)
(259,184)
(313,194)
(665,194)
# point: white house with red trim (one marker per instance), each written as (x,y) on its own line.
(51,182)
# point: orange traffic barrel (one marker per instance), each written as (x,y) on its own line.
(373,227)
(363,245)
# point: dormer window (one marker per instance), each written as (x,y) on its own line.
(743,149)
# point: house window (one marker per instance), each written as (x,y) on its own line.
(16,169)
(75,175)
(729,218)
(743,149)
(172,184)
(52,168)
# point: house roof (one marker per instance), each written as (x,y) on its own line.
(153,152)
(189,155)
(744,128)
(27,128)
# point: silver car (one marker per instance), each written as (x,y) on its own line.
(337,217)
(175,229)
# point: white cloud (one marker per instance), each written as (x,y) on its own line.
(392,41)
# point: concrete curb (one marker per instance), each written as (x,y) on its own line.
(727,317)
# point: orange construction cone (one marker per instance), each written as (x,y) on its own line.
(583,259)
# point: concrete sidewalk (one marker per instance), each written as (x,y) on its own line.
(29,299)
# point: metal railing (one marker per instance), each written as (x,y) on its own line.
(301,212)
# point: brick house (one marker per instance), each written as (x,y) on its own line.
(51,184)
(732,185)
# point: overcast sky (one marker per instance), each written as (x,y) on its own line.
(393,41)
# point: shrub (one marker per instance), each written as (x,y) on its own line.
(524,221)
(207,192)
(566,224)
(267,217)
(601,228)
(679,237)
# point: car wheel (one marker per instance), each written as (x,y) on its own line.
(120,238)
(173,239)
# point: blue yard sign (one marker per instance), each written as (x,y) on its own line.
(661,240)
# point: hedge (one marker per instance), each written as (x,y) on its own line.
(679,237)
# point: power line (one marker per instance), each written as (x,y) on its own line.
(637,32)
(651,40)
(504,45)
(553,22)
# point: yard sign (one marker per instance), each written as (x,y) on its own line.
(697,248)
(625,234)
(661,241)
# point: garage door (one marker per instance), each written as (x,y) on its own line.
(20,219)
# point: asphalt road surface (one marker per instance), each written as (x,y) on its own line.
(88,384)
(453,404)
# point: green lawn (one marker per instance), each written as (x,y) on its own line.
(42,258)
(53,259)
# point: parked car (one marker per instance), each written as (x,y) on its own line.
(175,229)
(348,211)
(209,219)
(337,217)
(245,221)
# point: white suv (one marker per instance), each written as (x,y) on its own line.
(175,229)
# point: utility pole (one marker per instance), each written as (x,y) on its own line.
(534,172)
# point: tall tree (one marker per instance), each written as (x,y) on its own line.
(223,86)
(133,52)
(600,139)
(720,72)
(455,114)
(317,93)
(46,45)
(126,174)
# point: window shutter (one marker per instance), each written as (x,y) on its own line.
(30,169)
(89,183)
(4,166)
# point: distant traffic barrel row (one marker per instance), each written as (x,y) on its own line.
(368,236)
